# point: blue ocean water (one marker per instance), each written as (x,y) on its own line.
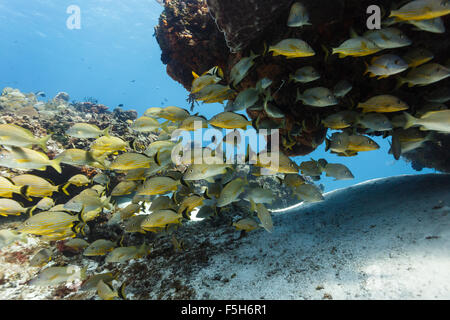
(115,59)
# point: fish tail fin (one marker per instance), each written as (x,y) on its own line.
(106,131)
(121,291)
(42,142)
(80,215)
(367,68)
(400,82)
(63,188)
(327,144)
(30,211)
(24,192)
(410,120)
(56,164)
(252,205)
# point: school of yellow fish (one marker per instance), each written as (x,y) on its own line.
(152,177)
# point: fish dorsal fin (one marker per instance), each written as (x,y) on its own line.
(196,76)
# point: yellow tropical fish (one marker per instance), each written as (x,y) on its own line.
(37,186)
(13,135)
(130,161)
(231,192)
(49,223)
(292,48)
(356,47)
(24,158)
(417,57)
(79,157)
(201,82)
(230,120)
(86,131)
(383,103)
(145,124)
(246,224)
(194,122)
(8,188)
(124,188)
(422,10)
(9,207)
(160,219)
(107,292)
(107,145)
(79,180)
(426,74)
(153,112)
(173,113)
(158,185)
(99,248)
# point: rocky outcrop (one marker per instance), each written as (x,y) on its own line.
(196,35)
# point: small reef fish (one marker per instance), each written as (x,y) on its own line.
(56,275)
(383,103)
(340,120)
(230,120)
(241,69)
(305,75)
(338,171)
(434,120)
(79,157)
(37,186)
(24,158)
(317,97)
(86,131)
(385,66)
(8,237)
(298,16)
(425,74)
(145,124)
(107,292)
(417,57)
(246,224)
(375,122)
(45,204)
(99,248)
(435,25)
(422,10)
(341,88)
(130,161)
(231,192)
(388,38)
(79,180)
(265,217)
(173,113)
(13,135)
(356,47)
(124,188)
(9,207)
(8,187)
(292,48)
(158,185)
(161,218)
(309,193)
(41,258)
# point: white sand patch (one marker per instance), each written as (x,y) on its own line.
(381,239)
